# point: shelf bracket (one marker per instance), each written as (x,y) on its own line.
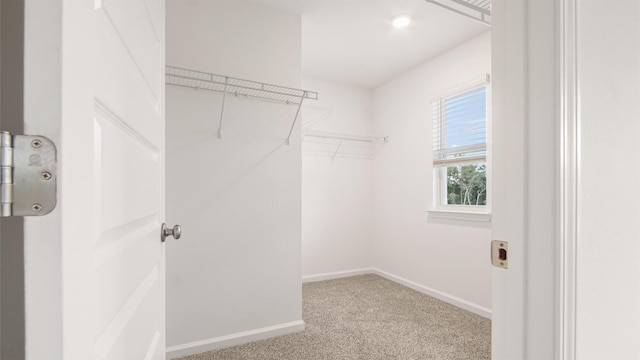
(288,141)
(336,152)
(224,98)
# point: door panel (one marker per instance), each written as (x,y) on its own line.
(118,284)
(156,14)
(124,95)
(137,186)
(135,30)
(131,47)
(132,333)
(129,194)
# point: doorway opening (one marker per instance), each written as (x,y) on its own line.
(358,182)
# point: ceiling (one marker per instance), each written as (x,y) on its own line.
(353,42)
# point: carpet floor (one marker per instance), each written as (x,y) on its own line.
(368,317)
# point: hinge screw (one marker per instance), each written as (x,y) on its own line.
(36,143)
(36,207)
(45,175)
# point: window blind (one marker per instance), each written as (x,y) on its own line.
(460,128)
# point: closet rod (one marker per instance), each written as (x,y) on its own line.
(342,136)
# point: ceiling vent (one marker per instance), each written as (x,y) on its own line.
(479,10)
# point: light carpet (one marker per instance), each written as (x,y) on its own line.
(368,317)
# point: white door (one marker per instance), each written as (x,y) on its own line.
(106,275)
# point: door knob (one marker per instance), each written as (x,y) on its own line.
(165,232)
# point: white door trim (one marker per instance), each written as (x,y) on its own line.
(569,185)
(509,45)
(43,264)
(529,298)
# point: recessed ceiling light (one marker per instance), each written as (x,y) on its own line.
(401,21)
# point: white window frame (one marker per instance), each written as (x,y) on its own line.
(440,210)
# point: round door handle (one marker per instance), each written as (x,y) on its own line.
(165,232)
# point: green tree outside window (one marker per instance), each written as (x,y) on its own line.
(467,184)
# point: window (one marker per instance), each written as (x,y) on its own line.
(460,150)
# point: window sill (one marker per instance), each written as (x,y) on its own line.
(460,215)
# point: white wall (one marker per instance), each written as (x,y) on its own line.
(237,267)
(608,273)
(337,195)
(448,257)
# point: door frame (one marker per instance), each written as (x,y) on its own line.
(44,319)
(42,115)
(532,56)
(567,277)
(509,120)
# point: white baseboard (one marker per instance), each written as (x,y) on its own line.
(453,300)
(336,275)
(244,337)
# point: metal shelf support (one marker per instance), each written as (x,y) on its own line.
(288,141)
(337,149)
(224,98)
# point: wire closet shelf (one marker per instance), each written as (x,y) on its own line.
(340,138)
(479,10)
(199,80)
(343,136)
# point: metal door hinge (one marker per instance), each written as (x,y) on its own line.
(27,175)
(499,252)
